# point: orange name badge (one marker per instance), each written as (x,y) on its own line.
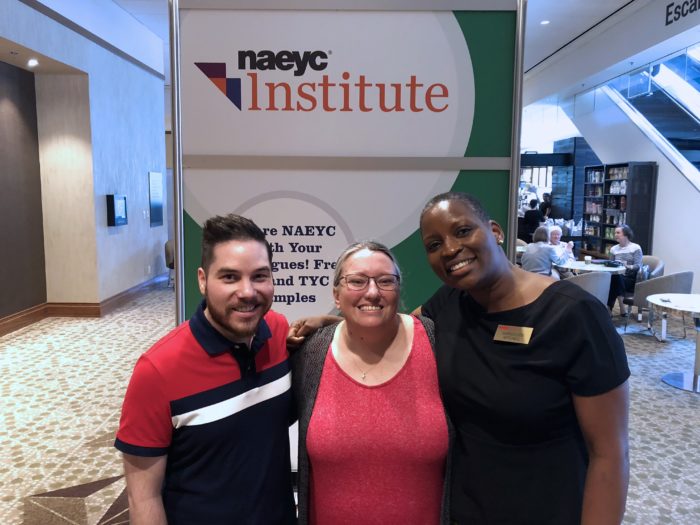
(513,334)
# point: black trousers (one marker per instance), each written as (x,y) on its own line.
(620,285)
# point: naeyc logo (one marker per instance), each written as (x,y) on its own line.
(216,72)
(350,95)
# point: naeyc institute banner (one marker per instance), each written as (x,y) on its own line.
(369,92)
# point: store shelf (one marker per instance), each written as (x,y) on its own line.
(634,207)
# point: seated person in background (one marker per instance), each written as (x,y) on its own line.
(630,254)
(546,204)
(533,218)
(540,255)
(561,249)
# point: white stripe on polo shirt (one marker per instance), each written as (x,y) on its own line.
(234,405)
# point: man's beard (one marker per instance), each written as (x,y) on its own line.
(239,329)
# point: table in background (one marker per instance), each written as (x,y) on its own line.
(680,303)
(582,266)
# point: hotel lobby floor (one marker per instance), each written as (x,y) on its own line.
(63,380)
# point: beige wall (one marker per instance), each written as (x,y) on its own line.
(126,109)
(65,154)
(99,133)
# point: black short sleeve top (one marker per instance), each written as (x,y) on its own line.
(517,433)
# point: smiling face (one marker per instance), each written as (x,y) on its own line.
(371,307)
(554,236)
(237,287)
(462,249)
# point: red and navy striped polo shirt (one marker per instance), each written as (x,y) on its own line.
(220,411)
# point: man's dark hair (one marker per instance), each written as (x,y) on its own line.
(627,231)
(472,203)
(226,228)
(533,203)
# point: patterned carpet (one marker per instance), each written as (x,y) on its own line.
(63,381)
(664,429)
(62,388)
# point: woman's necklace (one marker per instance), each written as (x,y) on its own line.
(357,360)
(363,372)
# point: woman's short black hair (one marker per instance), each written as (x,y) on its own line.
(626,231)
(472,202)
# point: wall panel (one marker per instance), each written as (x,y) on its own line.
(22,279)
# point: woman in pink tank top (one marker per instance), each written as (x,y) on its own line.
(373,434)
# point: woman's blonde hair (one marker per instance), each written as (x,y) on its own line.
(372,246)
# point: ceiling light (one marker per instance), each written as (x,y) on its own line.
(544,22)
(32,62)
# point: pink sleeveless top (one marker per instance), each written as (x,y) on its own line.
(377,453)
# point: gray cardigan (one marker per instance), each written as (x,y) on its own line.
(307,365)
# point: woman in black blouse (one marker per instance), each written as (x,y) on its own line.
(533,376)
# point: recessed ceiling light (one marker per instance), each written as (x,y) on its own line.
(544,22)
(32,62)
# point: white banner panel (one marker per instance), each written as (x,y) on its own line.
(327,127)
(356,83)
(311,216)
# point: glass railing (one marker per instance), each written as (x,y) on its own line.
(666,94)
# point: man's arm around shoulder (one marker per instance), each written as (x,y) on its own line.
(144,483)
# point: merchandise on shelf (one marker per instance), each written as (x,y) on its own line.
(618,194)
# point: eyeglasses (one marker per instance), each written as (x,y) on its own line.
(358,281)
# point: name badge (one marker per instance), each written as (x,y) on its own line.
(513,334)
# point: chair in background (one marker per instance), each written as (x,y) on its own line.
(681,282)
(656,266)
(518,255)
(651,268)
(170,261)
(595,283)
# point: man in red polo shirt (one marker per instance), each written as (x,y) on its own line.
(205,417)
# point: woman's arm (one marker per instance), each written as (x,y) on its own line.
(305,326)
(604,422)
(636,259)
(558,257)
(570,251)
